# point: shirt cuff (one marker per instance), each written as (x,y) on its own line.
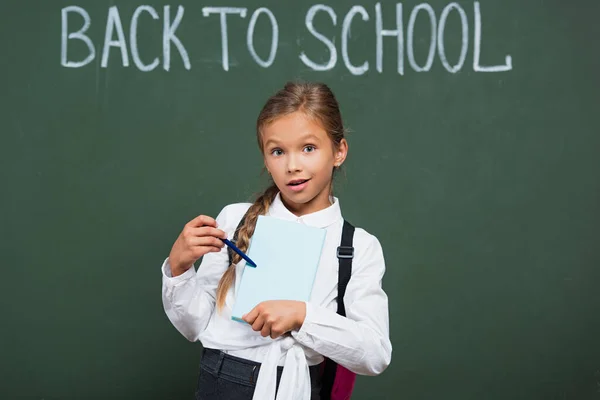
(302,334)
(170,279)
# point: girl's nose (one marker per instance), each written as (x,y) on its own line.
(293,164)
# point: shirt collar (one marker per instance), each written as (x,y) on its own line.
(319,219)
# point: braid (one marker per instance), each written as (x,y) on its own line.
(259,207)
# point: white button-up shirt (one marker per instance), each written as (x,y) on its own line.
(360,341)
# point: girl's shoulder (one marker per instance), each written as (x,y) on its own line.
(363,238)
(367,248)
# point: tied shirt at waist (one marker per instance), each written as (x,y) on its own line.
(295,379)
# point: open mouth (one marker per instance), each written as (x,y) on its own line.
(298,185)
(297,182)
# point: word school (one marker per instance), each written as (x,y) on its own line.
(171,19)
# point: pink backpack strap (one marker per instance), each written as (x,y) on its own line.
(338,382)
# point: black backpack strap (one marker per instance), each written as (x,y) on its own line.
(345,253)
(235,236)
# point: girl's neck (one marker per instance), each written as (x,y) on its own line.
(313,206)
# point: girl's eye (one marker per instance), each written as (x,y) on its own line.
(309,148)
(276,152)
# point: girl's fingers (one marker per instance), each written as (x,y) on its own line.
(202,220)
(208,231)
(258,323)
(205,241)
(251,316)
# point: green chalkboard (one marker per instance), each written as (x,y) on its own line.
(475,130)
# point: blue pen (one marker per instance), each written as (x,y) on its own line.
(241,253)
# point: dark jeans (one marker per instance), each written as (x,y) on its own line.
(225,377)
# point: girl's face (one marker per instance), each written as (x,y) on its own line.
(300,157)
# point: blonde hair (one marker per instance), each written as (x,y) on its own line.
(315,100)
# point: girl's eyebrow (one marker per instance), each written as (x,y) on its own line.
(307,137)
(271,142)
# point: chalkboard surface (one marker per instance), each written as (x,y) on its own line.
(475,130)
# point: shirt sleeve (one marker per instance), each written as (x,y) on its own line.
(360,341)
(189,299)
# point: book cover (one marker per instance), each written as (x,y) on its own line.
(287,257)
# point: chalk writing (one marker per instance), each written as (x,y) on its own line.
(422,15)
(274,37)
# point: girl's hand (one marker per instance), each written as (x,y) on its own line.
(276,317)
(199,236)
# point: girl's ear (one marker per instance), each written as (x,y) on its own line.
(341,152)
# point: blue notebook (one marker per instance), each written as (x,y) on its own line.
(287,256)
